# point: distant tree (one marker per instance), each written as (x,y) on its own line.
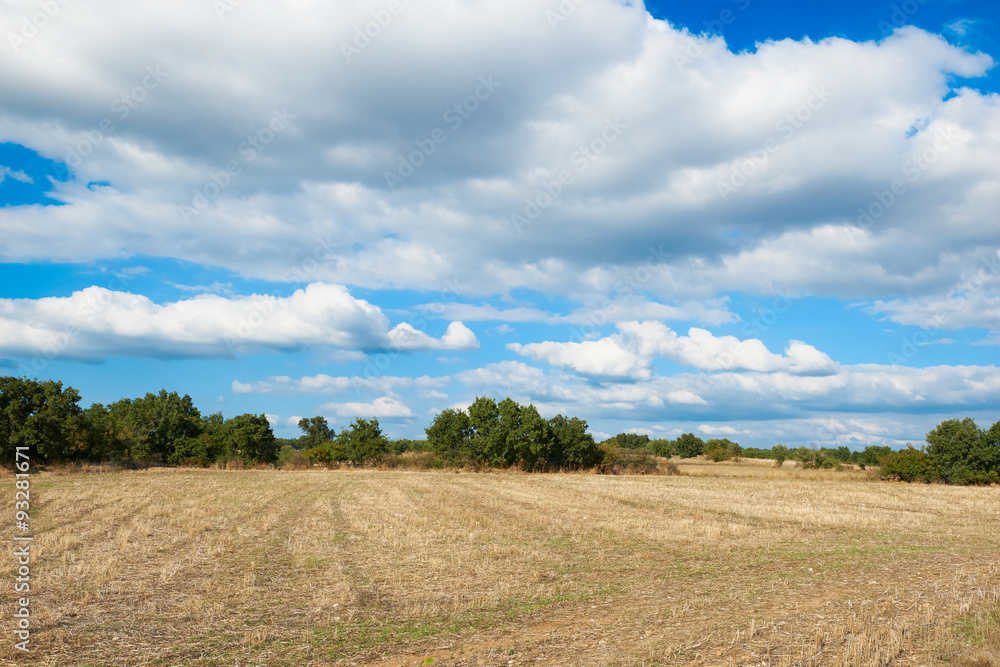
(757,453)
(842,454)
(207,446)
(689,445)
(316,431)
(631,440)
(872,455)
(403,445)
(363,441)
(531,438)
(722,449)
(780,454)
(662,447)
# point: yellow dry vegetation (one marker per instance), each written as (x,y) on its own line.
(215,567)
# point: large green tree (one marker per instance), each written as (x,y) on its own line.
(40,415)
(151,428)
(249,438)
(363,441)
(573,447)
(962,452)
(449,435)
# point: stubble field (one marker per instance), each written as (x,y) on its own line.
(210,567)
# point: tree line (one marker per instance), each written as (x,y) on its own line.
(156,428)
(168,428)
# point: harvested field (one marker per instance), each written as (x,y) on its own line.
(208,567)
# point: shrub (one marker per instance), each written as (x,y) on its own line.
(621,461)
(661,447)
(720,454)
(780,454)
(291,458)
(909,465)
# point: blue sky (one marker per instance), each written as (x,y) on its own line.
(769,221)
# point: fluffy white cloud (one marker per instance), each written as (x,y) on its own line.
(751,396)
(801,134)
(384,407)
(631,352)
(96,323)
(974,301)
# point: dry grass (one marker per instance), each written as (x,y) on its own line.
(212,567)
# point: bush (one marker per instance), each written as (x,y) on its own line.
(621,461)
(291,458)
(327,453)
(661,447)
(411,461)
(780,454)
(909,465)
(720,454)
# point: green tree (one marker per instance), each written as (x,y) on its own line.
(573,447)
(631,440)
(209,445)
(872,455)
(909,465)
(780,454)
(40,415)
(449,435)
(532,440)
(662,447)
(151,428)
(484,419)
(249,438)
(689,445)
(842,454)
(363,441)
(957,449)
(316,431)
(722,449)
